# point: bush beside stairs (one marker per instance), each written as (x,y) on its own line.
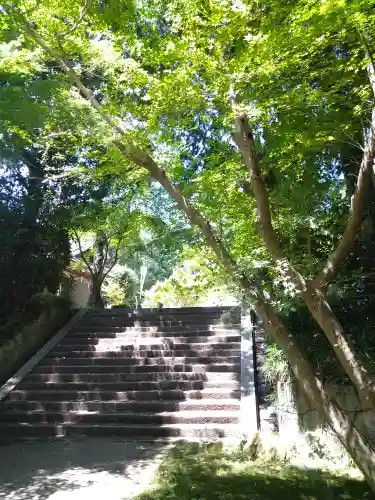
(173,373)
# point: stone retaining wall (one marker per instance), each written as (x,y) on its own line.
(297,417)
(15,352)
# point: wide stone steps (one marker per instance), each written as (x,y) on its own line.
(145,340)
(130,432)
(81,366)
(162,385)
(156,406)
(165,354)
(121,417)
(134,334)
(174,395)
(160,347)
(168,374)
(152,318)
(130,377)
(156,327)
(141,361)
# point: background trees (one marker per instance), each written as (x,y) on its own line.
(34,240)
(196,281)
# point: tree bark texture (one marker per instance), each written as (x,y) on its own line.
(95,298)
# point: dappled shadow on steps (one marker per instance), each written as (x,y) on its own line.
(85,380)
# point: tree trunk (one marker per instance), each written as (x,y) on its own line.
(35,186)
(95,298)
(97,271)
(348,434)
(356,369)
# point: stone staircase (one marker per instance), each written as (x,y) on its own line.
(173,373)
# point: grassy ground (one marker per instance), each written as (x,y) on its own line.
(207,472)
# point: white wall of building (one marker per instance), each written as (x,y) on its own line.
(80,292)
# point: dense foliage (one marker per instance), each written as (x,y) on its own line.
(171,95)
(34,243)
(196,281)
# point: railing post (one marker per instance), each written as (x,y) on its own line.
(248,419)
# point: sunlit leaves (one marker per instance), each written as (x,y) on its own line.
(164,72)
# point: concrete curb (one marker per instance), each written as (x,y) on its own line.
(11,383)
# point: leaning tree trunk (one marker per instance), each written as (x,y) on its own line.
(356,368)
(95,298)
(339,422)
(312,293)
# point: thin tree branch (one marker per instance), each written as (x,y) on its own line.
(115,257)
(106,246)
(82,253)
(78,21)
(359,197)
(144,160)
(245,141)
(358,204)
(87,93)
(370,58)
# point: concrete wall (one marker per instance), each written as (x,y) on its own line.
(296,416)
(14,352)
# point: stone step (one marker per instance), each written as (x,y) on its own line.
(114,332)
(167,322)
(46,366)
(133,432)
(174,395)
(158,322)
(95,418)
(136,353)
(161,319)
(150,339)
(114,405)
(160,347)
(161,385)
(209,360)
(130,377)
(184,313)
(166,310)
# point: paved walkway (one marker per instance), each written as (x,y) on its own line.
(87,469)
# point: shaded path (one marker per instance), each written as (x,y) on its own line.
(91,468)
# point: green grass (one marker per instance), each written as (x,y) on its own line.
(208,472)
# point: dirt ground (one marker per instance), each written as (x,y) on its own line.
(87,469)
